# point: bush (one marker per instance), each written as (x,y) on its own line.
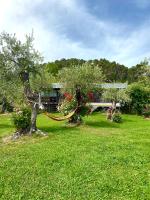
(140,97)
(117,118)
(22,119)
(126,108)
(146,114)
(84,110)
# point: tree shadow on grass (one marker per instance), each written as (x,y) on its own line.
(102,124)
(128,120)
(6,126)
(58,129)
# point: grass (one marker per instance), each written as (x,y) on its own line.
(98,160)
(6,126)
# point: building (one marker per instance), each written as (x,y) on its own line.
(51,99)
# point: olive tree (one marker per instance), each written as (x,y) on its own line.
(22,64)
(115,95)
(78,80)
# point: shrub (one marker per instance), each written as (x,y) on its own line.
(84,110)
(140,97)
(146,114)
(126,108)
(22,119)
(76,119)
(117,118)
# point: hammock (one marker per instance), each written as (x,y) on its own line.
(60,118)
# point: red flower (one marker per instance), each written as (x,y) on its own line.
(68,96)
(90,96)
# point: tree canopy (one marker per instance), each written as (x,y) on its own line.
(113,71)
(86,76)
(21,65)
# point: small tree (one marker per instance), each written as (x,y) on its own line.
(78,81)
(115,96)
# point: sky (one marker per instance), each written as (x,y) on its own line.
(118,30)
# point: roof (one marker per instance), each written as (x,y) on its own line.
(103,85)
(114,85)
(57,85)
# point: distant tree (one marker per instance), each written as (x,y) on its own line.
(54,67)
(144,79)
(136,72)
(114,72)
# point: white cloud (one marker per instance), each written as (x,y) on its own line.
(65,28)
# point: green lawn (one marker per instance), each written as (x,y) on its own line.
(98,160)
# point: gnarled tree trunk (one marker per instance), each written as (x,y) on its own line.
(4,101)
(76,118)
(113,107)
(33,127)
(31,97)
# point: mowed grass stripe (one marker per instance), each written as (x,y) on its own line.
(98,160)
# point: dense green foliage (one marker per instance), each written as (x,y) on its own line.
(116,95)
(22,119)
(113,72)
(19,64)
(117,118)
(86,76)
(135,72)
(98,160)
(140,97)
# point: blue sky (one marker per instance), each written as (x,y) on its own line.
(113,29)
